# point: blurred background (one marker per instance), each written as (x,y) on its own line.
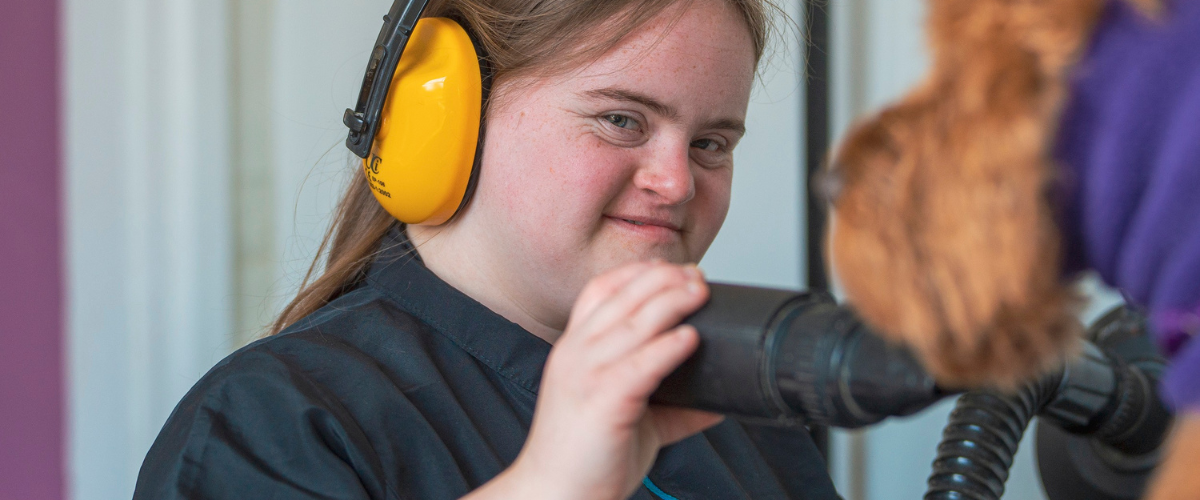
(168,167)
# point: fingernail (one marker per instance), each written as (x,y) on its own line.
(691,271)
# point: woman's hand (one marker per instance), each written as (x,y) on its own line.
(593,435)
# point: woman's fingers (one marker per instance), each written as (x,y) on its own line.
(656,314)
(670,306)
(600,374)
(640,373)
(602,288)
(626,321)
(619,311)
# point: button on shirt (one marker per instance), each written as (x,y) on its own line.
(405,388)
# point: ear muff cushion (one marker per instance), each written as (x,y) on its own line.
(421,163)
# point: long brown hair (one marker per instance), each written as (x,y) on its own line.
(522,38)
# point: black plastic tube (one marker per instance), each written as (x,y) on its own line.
(981,439)
(1105,394)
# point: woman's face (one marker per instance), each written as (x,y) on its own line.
(629,158)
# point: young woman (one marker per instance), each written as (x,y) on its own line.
(510,352)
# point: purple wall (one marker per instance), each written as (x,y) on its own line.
(31,254)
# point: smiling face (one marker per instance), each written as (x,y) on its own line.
(628,158)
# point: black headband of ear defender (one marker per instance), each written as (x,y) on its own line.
(363,120)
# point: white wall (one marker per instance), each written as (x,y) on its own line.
(148,251)
(320,50)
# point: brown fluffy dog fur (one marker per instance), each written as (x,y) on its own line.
(943,233)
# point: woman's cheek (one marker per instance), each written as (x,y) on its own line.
(711,205)
(713,188)
(528,177)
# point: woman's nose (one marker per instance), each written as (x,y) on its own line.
(668,174)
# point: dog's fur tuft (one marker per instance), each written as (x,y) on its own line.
(943,234)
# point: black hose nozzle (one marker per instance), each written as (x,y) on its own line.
(794,358)
(798,358)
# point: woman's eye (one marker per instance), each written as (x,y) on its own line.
(621,121)
(707,145)
(710,153)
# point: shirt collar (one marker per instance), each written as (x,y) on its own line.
(496,342)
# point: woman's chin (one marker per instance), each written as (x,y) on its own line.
(625,251)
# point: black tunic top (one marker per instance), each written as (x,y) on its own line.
(405,388)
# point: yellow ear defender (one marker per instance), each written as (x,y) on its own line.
(417,121)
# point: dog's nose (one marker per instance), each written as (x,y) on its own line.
(829,183)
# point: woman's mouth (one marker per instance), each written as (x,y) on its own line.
(647,227)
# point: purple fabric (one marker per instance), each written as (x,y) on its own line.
(1129,145)
(32,444)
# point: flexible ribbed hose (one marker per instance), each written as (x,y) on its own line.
(980,440)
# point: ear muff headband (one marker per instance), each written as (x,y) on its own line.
(422,146)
